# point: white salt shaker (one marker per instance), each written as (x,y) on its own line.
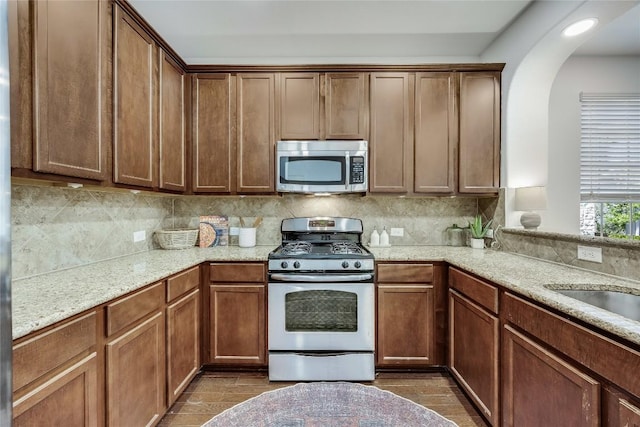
(375,238)
(384,237)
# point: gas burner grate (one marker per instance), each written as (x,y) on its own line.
(296,248)
(342,248)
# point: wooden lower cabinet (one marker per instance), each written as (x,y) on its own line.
(58,368)
(407,315)
(405,325)
(135,375)
(629,414)
(541,389)
(473,352)
(237,324)
(183,343)
(67,399)
(183,331)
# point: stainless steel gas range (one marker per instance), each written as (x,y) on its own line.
(321,304)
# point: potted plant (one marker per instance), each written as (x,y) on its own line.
(478,231)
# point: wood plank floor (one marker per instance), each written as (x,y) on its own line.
(212,392)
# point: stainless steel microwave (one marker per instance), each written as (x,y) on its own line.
(322,166)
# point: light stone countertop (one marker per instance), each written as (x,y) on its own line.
(43,300)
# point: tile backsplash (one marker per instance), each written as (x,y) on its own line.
(54,228)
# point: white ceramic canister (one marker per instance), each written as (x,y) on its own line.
(247,237)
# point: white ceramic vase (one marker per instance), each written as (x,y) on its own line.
(477,243)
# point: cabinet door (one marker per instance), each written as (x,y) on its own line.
(75,390)
(237,324)
(391,136)
(473,353)
(172,126)
(436,133)
(135,129)
(256,133)
(183,344)
(479,132)
(628,413)
(299,105)
(70,92)
(136,375)
(213,133)
(406,325)
(345,106)
(540,389)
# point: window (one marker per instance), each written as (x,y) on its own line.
(610,165)
(606,219)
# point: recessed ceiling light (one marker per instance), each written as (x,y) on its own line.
(580,27)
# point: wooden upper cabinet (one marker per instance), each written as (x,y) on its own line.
(172,125)
(135,85)
(71,88)
(436,133)
(479,132)
(255,133)
(323,106)
(345,106)
(390,149)
(213,100)
(299,105)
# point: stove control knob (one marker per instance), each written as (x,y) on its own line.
(284,264)
(357,264)
(345,264)
(296,264)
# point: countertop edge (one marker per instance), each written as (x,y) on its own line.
(108,280)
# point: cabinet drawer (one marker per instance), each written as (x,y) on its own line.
(182,283)
(481,292)
(237,272)
(404,273)
(129,310)
(45,352)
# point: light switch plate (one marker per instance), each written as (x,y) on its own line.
(139,236)
(397,232)
(590,253)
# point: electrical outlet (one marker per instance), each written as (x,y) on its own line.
(589,253)
(234,231)
(489,234)
(397,232)
(139,236)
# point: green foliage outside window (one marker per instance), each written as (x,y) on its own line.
(616,220)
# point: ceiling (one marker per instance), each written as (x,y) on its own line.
(350,31)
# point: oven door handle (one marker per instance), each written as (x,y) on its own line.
(283,277)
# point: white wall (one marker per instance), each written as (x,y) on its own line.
(578,74)
(534,50)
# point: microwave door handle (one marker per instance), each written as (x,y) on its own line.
(347,177)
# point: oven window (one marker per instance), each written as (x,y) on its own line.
(322,311)
(313,170)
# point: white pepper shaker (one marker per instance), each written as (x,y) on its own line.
(375,238)
(384,237)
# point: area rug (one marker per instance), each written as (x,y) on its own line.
(328,404)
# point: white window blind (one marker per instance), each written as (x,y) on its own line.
(610,147)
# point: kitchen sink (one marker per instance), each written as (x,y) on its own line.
(622,303)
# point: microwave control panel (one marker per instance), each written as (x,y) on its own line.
(357,170)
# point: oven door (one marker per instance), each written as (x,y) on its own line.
(321,316)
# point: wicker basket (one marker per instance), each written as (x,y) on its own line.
(177,239)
